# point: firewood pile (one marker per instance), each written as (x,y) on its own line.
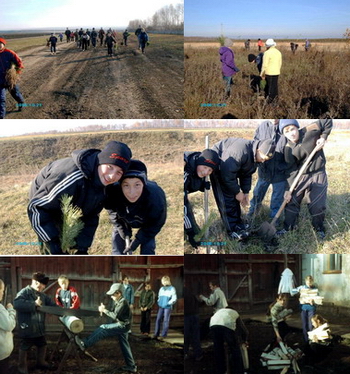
(281,358)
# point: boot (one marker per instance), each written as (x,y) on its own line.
(22,362)
(41,362)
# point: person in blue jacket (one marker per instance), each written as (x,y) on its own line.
(135,203)
(31,321)
(166,299)
(144,39)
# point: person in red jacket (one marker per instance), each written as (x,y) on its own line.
(66,295)
(8,59)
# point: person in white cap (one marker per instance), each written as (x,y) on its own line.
(271,69)
(121,316)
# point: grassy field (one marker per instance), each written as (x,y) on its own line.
(303,239)
(23,157)
(311,85)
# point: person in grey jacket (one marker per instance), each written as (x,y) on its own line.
(121,316)
(232,182)
(7,324)
(217,299)
(31,321)
(270,172)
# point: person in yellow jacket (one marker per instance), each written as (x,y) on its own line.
(271,69)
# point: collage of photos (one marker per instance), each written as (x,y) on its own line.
(103,268)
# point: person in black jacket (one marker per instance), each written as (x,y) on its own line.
(135,202)
(313,183)
(233,181)
(32,322)
(198,165)
(270,172)
(84,176)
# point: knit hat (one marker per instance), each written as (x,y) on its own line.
(270,43)
(251,57)
(41,278)
(115,153)
(115,287)
(228,42)
(3,41)
(137,169)
(267,147)
(287,122)
(208,158)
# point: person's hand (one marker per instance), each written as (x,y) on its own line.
(245,201)
(201,297)
(9,306)
(288,196)
(131,306)
(240,196)
(279,339)
(38,302)
(101,308)
(320,143)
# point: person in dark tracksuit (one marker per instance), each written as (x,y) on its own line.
(198,165)
(93,37)
(135,202)
(313,183)
(53,41)
(137,33)
(8,59)
(146,302)
(109,42)
(232,182)
(270,172)
(101,35)
(31,321)
(126,34)
(67,33)
(84,176)
(143,39)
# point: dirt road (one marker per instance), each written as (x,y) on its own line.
(89,84)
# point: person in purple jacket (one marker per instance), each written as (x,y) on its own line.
(229,69)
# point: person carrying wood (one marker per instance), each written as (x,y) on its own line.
(313,183)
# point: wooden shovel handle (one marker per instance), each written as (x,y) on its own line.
(295,181)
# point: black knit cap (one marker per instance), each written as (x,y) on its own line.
(251,57)
(267,147)
(137,169)
(41,278)
(115,153)
(208,158)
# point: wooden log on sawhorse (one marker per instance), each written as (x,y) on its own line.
(71,350)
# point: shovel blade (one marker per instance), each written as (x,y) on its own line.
(267,231)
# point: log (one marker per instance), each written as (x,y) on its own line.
(73,324)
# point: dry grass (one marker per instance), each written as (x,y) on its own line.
(160,150)
(303,240)
(312,85)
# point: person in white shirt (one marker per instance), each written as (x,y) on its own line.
(217,299)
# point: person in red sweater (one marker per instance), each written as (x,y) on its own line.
(66,295)
(8,59)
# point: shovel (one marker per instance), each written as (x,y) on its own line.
(268,230)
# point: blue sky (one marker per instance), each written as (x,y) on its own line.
(273,19)
(23,14)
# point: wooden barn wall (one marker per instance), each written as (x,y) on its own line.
(248,281)
(92,277)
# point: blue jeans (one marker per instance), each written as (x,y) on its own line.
(113,329)
(259,193)
(163,313)
(227,82)
(192,335)
(306,315)
(15,93)
(118,245)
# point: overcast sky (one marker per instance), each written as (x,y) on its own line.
(272,19)
(23,14)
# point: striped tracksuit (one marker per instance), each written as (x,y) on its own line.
(75,176)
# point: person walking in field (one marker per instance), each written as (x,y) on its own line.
(110,41)
(313,183)
(271,70)
(101,35)
(247,45)
(60,35)
(144,39)
(67,33)
(260,44)
(84,176)
(126,34)
(53,42)
(93,37)
(307,45)
(84,41)
(137,33)
(10,68)
(228,67)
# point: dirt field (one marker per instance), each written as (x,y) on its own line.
(151,357)
(89,84)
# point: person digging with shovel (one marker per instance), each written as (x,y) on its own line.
(313,182)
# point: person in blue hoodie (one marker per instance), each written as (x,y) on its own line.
(228,67)
(84,176)
(166,299)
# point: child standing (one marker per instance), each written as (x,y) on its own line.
(146,302)
(66,295)
(307,306)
